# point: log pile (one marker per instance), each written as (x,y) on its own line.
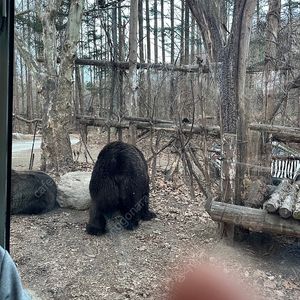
(280,214)
(285,200)
(254,219)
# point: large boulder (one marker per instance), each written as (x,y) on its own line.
(73,190)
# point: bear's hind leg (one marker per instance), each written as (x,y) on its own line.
(130,216)
(130,219)
(97,222)
(130,224)
(145,213)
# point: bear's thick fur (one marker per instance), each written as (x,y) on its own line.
(119,183)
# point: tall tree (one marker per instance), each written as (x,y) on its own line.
(186,35)
(162,30)
(270,74)
(55,82)
(155,31)
(273,19)
(132,106)
(172,31)
(231,60)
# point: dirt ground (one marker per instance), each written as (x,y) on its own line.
(57,259)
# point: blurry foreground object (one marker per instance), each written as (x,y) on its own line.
(207,283)
(10,282)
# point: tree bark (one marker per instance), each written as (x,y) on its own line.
(155,32)
(270,74)
(273,18)
(132,105)
(172,31)
(162,32)
(55,87)
(231,78)
(56,144)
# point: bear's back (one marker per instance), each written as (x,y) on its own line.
(121,159)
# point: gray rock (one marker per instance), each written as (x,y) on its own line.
(73,190)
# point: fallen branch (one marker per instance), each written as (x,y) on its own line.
(26,120)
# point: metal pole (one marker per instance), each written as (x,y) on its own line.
(6,93)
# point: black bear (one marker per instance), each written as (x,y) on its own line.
(32,192)
(119,183)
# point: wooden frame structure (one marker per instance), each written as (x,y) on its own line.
(257,220)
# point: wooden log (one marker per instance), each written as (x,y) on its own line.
(296,211)
(213,131)
(281,133)
(254,219)
(275,200)
(157,66)
(286,209)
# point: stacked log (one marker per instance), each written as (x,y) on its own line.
(254,219)
(276,199)
(286,209)
(296,211)
(258,194)
(285,201)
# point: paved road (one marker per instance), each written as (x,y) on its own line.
(25,145)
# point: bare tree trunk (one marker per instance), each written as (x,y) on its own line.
(273,19)
(155,33)
(172,30)
(55,87)
(162,32)
(122,57)
(182,33)
(115,72)
(29,102)
(79,92)
(149,97)
(29,95)
(270,73)
(22,86)
(192,57)
(231,78)
(132,106)
(142,97)
(56,146)
(187,35)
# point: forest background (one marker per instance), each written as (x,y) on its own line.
(211,63)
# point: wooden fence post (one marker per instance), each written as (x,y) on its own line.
(132,133)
